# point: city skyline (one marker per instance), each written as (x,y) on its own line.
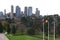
(49,7)
(18,13)
(27,10)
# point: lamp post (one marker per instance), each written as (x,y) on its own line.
(54,28)
(48,28)
(43,29)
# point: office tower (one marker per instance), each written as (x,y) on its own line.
(12,11)
(29,11)
(18,11)
(25,12)
(12,8)
(22,15)
(37,13)
(1,14)
(5,13)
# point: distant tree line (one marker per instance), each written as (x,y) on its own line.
(34,25)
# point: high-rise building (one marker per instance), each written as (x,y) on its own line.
(18,11)
(29,11)
(22,15)
(12,8)
(12,11)
(5,15)
(37,13)
(4,11)
(1,14)
(25,11)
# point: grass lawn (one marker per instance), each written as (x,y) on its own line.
(22,37)
(26,37)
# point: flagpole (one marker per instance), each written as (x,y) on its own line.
(48,30)
(54,28)
(43,29)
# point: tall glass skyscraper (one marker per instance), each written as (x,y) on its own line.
(18,11)
(25,11)
(29,11)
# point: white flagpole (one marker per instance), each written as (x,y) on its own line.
(54,28)
(43,29)
(48,30)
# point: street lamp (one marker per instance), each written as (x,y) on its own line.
(54,28)
(46,21)
(48,27)
(43,29)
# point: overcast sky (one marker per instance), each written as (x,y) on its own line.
(45,6)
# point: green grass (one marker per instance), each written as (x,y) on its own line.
(58,38)
(26,37)
(22,37)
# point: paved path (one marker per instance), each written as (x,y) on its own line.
(3,37)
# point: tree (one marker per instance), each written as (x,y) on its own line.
(31,31)
(4,24)
(1,28)
(58,29)
(8,29)
(13,30)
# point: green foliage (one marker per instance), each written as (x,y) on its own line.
(31,31)
(8,29)
(31,24)
(13,30)
(1,28)
(58,29)
(23,20)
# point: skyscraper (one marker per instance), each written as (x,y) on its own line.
(12,8)
(22,15)
(5,13)
(12,11)
(25,11)
(18,11)
(29,11)
(37,13)
(1,14)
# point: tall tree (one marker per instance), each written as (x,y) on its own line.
(13,30)
(8,29)
(1,28)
